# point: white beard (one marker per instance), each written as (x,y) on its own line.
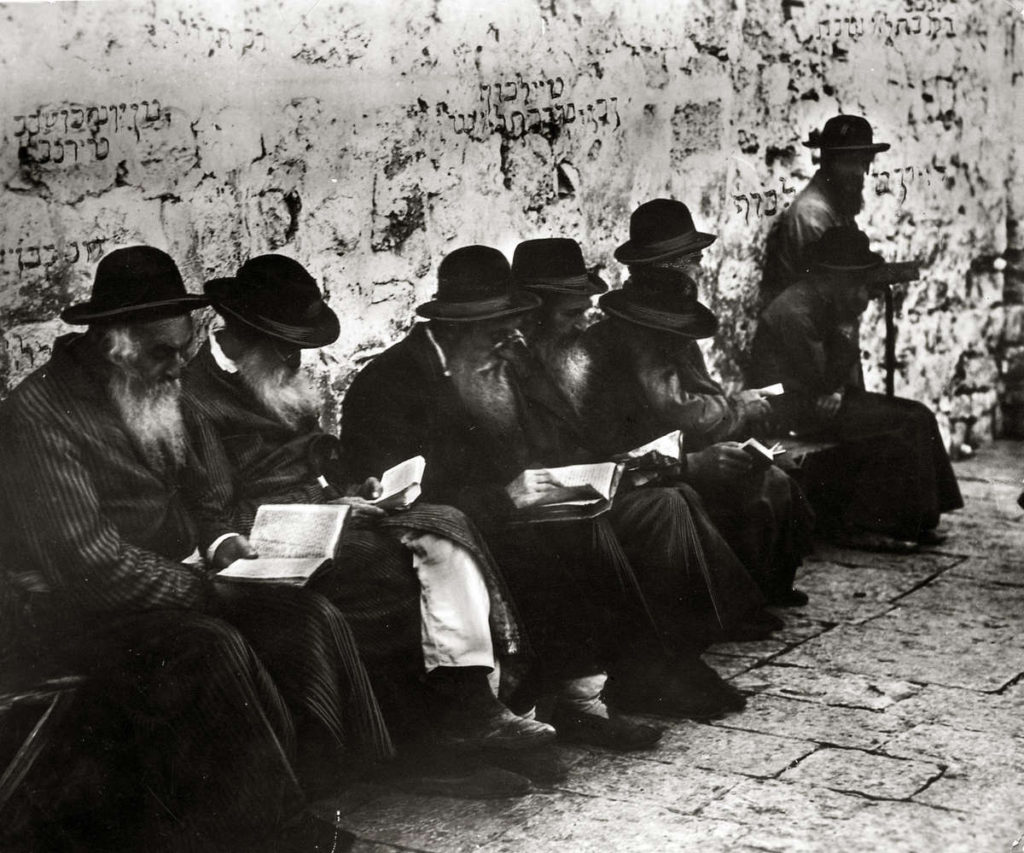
(288,395)
(152,416)
(571,368)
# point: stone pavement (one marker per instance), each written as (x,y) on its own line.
(888,715)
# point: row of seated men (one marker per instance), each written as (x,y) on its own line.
(130,473)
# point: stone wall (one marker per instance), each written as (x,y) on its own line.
(367,139)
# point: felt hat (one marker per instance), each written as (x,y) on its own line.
(845,133)
(659,229)
(138,281)
(662,300)
(842,249)
(554,265)
(475,283)
(277,297)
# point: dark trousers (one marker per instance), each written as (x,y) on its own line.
(206,722)
(891,473)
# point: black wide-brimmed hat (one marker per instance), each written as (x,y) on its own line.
(554,265)
(843,249)
(659,229)
(662,300)
(475,283)
(276,296)
(845,133)
(137,282)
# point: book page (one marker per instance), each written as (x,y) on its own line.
(272,568)
(775,390)
(667,445)
(405,477)
(297,530)
(597,476)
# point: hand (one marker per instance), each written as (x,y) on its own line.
(360,508)
(752,405)
(722,461)
(827,405)
(370,489)
(235,548)
(536,487)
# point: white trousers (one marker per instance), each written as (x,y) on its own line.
(454,603)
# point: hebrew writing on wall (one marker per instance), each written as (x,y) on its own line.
(368,139)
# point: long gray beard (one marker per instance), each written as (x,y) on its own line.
(288,395)
(571,368)
(152,417)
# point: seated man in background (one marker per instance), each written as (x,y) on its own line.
(227,697)
(891,479)
(419,589)
(451,392)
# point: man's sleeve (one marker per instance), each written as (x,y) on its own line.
(210,485)
(801,355)
(710,415)
(53,502)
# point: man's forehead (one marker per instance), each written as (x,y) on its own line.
(174,331)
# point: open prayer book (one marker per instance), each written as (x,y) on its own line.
(400,486)
(293,541)
(594,485)
(655,454)
(762,456)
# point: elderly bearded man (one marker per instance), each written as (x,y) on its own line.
(253,417)
(890,479)
(648,376)
(451,392)
(225,693)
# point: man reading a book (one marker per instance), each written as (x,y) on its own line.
(452,391)
(891,479)
(640,373)
(226,696)
(418,587)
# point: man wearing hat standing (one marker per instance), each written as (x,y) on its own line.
(224,718)
(833,198)
(253,417)
(891,479)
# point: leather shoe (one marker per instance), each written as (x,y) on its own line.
(612,733)
(497,728)
(864,540)
(932,536)
(475,783)
(690,689)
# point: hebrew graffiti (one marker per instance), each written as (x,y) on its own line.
(769,196)
(45,255)
(880,26)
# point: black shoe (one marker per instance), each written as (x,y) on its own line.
(690,689)
(931,537)
(788,598)
(758,626)
(540,766)
(310,834)
(614,733)
(476,783)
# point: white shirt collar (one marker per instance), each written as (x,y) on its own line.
(223,362)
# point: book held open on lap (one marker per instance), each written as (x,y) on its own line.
(593,486)
(293,541)
(400,486)
(762,456)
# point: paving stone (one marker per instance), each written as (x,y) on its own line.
(957,748)
(729,666)
(994,463)
(560,824)
(679,786)
(969,535)
(857,593)
(852,727)
(713,747)
(997,606)
(926,562)
(786,807)
(855,771)
(759,649)
(829,688)
(890,827)
(437,824)
(799,625)
(1007,570)
(915,644)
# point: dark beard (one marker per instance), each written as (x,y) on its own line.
(847,193)
(569,365)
